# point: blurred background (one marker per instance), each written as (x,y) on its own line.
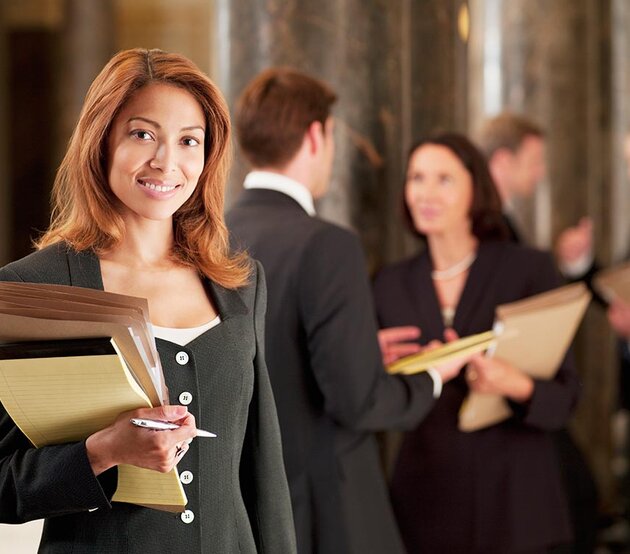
(402,68)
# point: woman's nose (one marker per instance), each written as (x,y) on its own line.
(163,159)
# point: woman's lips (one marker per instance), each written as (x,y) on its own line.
(158,186)
(157,189)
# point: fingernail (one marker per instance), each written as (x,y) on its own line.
(179,411)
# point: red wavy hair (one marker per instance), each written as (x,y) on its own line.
(84,212)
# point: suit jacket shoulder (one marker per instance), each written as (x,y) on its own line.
(392,273)
(50,263)
(534,268)
(263,215)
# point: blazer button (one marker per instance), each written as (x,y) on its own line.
(186,477)
(181,358)
(185,398)
(188,516)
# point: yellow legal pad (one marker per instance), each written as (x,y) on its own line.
(64,390)
(450,351)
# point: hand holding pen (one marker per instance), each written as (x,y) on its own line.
(124,443)
(157,425)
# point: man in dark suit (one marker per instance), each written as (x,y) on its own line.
(515,149)
(321,347)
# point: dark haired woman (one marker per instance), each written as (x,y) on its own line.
(496,490)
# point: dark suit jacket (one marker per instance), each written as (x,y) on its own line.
(239,492)
(498,489)
(326,373)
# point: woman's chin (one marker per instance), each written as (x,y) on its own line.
(428,229)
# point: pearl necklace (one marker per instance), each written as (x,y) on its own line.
(454,270)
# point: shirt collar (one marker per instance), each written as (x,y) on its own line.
(281,183)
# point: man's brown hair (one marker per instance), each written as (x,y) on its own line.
(506,130)
(275,110)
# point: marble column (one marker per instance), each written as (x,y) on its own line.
(87,43)
(551,61)
(30,40)
(184,26)
(620,120)
(391,64)
(438,65)
(5,199)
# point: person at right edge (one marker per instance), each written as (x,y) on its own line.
(515,149)
(322,351)
(497,490)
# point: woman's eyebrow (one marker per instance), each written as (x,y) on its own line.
(158,126)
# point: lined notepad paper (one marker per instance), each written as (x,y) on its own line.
(459,348)
(56,398)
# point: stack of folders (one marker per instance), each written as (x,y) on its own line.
(72,360)
(532,334)
(614,282)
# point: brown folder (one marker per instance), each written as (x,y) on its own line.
(58,398)
(532,334)
(40,311)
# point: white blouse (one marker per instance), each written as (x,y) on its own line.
(186,335)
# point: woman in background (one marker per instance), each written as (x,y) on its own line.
(496,490)
(138,210)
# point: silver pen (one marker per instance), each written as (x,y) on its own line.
(164,426)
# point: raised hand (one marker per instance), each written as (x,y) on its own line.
(575,243)
(450,369)
(619,317)
(395,342)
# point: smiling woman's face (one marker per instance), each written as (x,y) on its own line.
(438,191)
(156,151)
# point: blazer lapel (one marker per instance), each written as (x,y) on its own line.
(424,297)
(228,302)
(477,287)
(85,269)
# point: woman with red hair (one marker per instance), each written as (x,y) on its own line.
(138,210)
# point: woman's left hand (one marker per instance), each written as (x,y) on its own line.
(398,342)
(495,376)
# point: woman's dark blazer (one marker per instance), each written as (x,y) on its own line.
(497,489)
(239,495)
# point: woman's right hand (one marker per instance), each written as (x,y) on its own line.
(619,317)
(450,369)
(124,443)
(398,342)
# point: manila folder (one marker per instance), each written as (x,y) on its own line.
(534,335)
